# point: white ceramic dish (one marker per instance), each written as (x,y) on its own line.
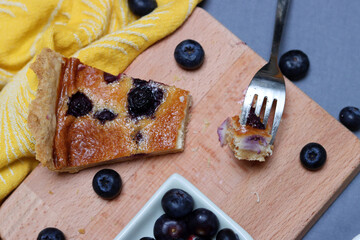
(142,224)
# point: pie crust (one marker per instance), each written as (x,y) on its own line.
(69,143)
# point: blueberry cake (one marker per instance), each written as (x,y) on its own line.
(83,116)
(247,142)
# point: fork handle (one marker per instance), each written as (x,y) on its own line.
(282,7)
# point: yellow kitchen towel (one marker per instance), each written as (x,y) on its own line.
(101,33)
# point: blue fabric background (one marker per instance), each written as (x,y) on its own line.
(328,31)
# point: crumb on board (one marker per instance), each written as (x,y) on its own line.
(195,132)
(244,92)
(206,125)
(51,192)
(240,43)
(177,78)
(81,231)
(206,122)
(195,149)
(209,162)
(241,102)
(257,196)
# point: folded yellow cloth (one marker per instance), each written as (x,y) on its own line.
(101,33)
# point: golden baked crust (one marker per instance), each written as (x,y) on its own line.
(42,118)
(77,142)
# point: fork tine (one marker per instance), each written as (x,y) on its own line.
(259,103)
(280,103)
(249,97)
(269,103)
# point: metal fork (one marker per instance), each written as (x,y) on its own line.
(268,83)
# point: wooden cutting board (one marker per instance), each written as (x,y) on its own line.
(291,198)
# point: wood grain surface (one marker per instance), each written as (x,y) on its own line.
(291,198)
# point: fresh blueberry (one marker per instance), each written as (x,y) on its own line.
(294,64)
(313,156)
(142,7)
(177,203)
(189,54)
(227,234)
(203,223)
(147,238)
(143,100)
(350,118)
(107,183)
(105,115)
(51,233)
(79,105)
(167,228)
(253,120)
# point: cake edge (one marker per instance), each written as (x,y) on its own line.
(180,144)
(42,109)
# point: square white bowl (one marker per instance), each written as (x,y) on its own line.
(143,222)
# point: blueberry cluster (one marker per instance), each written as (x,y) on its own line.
(181,221)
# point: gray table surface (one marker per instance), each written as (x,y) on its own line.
(328,32)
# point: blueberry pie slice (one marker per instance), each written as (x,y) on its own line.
(82,116)
(250,142)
